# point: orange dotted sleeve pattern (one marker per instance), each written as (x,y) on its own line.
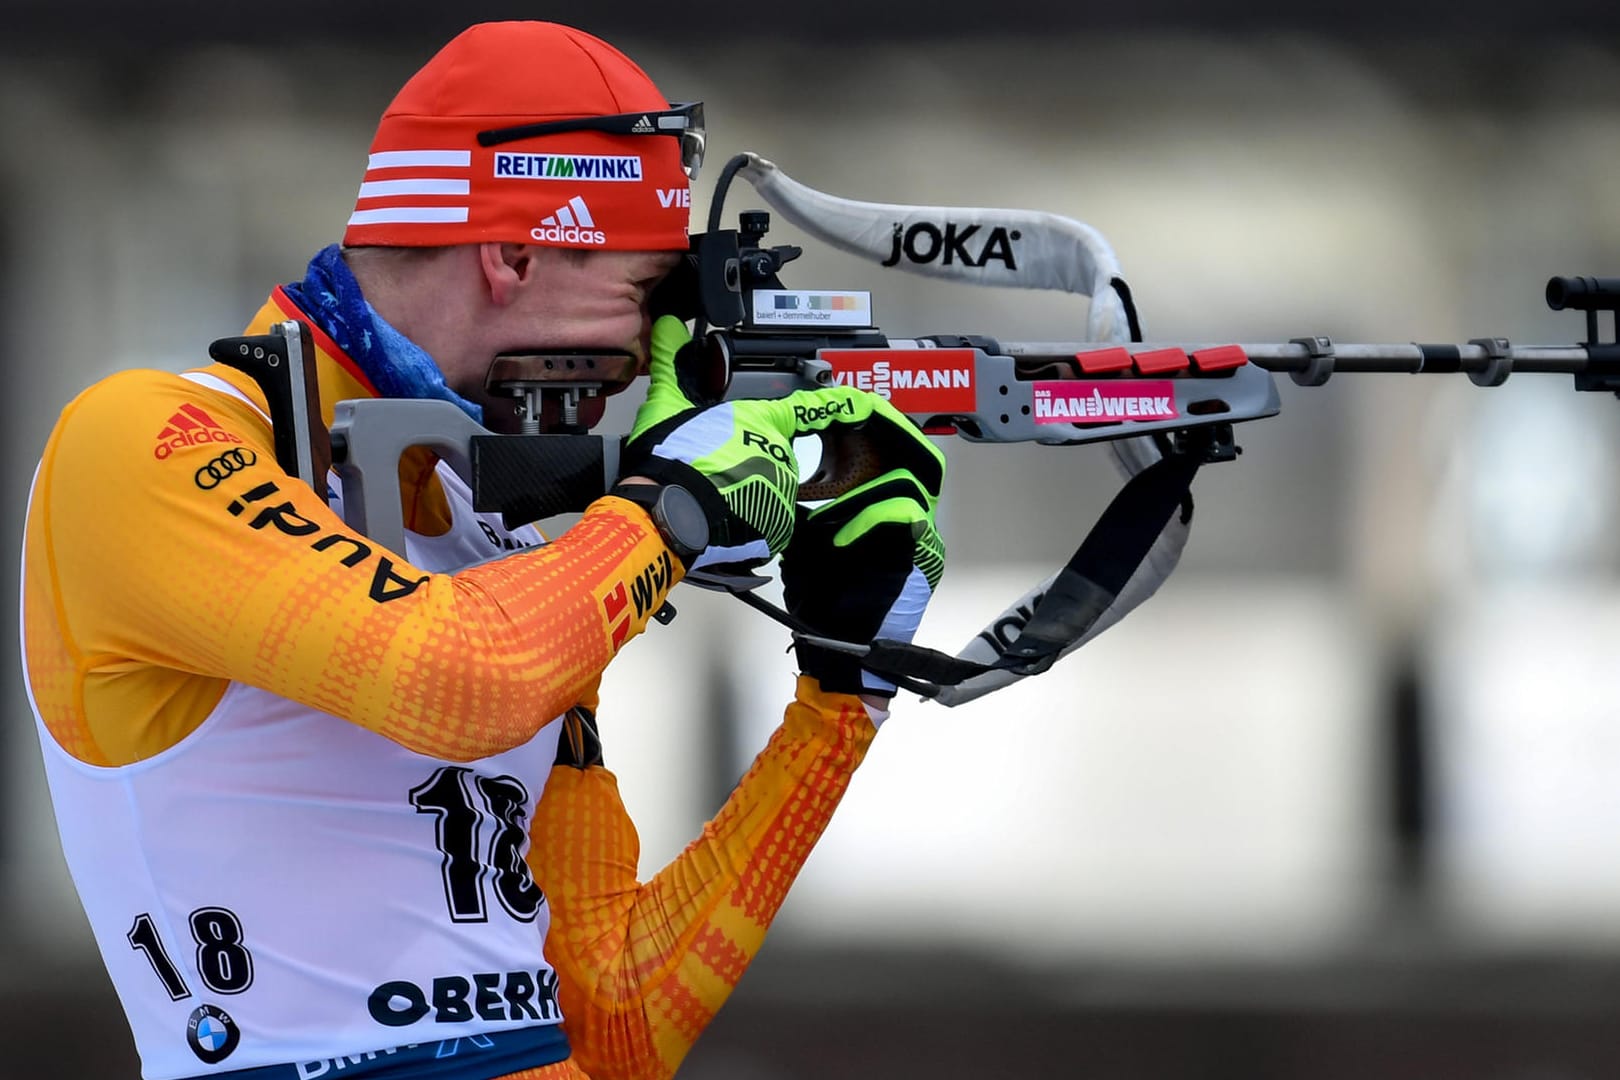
(644,968)
(152,581)
(567,1069)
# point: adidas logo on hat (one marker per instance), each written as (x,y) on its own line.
(569,225)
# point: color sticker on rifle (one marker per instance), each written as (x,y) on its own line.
(921,382)
(811,307)
(1084,402)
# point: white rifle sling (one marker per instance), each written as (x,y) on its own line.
(1050,252)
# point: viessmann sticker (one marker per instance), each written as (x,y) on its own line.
(916,381)
(1087,402)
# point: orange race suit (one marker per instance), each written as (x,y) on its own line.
(143,603)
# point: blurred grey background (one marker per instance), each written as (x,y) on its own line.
(1341,802)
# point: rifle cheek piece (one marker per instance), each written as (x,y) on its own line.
(565,375)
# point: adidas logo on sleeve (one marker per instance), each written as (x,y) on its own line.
(570,224)
(190,426)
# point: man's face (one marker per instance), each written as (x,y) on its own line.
(575,300)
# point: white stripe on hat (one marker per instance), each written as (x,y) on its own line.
(405,159)
(399,215)
(581,212)
(564,216)
(377,189)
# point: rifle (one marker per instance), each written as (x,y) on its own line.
(1163,409)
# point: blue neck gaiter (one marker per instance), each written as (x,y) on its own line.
(396,365)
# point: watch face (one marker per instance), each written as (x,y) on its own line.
(684,517)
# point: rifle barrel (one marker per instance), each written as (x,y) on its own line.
(1325,358)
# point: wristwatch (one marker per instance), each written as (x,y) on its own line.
(677,514)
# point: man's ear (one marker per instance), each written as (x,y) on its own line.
(507,268)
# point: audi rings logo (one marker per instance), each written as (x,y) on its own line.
(211,475)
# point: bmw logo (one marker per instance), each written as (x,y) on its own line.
(212,1034)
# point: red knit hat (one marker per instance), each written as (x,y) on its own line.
(433,180)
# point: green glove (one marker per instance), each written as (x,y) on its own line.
(860,567)
(737,457)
